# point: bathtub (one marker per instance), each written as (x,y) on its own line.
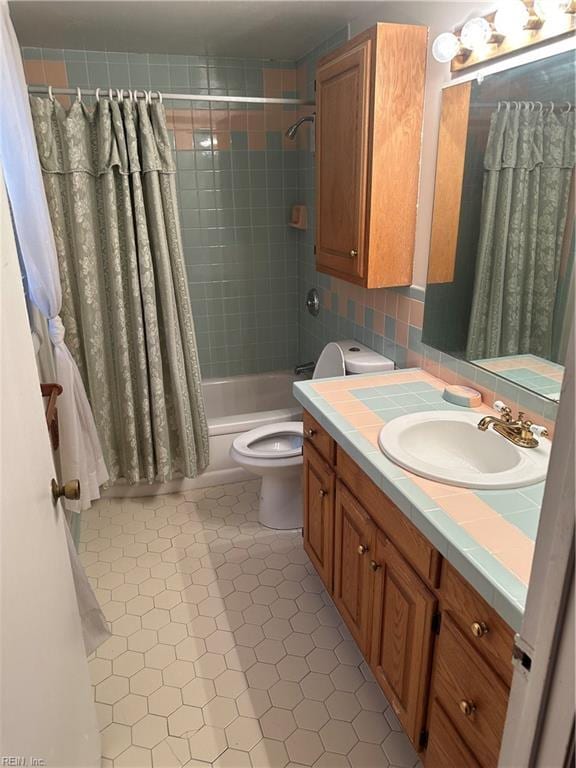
(233,405)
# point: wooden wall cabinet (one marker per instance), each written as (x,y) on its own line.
(439,652)
(369,105)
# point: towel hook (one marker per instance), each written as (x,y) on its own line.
(120,94)
(541,106)
(97,94)
(158,95)
(50,94)
(78,95)
(567,108)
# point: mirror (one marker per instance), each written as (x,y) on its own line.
(500,290)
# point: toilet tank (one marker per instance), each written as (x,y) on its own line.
(361,359)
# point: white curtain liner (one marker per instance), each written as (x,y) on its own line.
(80,452)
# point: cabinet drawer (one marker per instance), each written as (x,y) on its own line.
(471,693)
(319,438)
(408,540)
(445,747)
(481,625)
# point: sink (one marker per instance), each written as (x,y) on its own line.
(449,447)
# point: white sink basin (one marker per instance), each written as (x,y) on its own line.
(449,447)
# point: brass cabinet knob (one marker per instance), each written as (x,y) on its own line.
(374,565)
(362,549)
(467,708)
(322,493)
(70,490)
(310,432)
(353,253)
(478,629)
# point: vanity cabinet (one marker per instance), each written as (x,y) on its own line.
(354,542)
(402,636)
(319,483)
(439,652)
(369,105)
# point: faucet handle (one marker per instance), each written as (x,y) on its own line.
(538,430)
(504,409)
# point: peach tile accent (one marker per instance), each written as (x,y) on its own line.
(184,139)
(238,120)
(403,312)
(182,119)
(352,406)
(339,396)
(466,507)
(257,140)
(56,74)
(363,419)
(402,333)
(518,560)
(495,534)
(435,490)
(272,82)
(220,119)
(371,434)
(416,313)
(201,119)
(256,121)
(221,139)
(413,359)
(288,79)
(34,71)
(273,117)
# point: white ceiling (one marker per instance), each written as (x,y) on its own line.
(247,28)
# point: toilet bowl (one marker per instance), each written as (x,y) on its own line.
(274,452)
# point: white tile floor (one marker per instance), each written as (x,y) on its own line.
(226,650)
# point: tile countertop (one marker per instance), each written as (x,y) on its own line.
(488,536)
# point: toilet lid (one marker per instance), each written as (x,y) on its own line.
(273,441)
(330,362)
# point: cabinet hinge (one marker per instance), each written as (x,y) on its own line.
(423,739)
(314,247)
(314,86)
(302,532)
(436,622)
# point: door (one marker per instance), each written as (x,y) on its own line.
(319,513)
(402,636)
(342,103)
(46,707)
(354,542)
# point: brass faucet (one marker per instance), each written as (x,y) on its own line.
(519,431)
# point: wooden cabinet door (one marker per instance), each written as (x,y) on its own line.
(402,636)
(319,481)
(353,544)
(445,747)
(342,130)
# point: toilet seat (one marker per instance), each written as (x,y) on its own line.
(282,440)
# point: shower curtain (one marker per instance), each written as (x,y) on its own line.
(528,166)
(109,178)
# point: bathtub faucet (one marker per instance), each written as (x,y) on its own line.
(305,368)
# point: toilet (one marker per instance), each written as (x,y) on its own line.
(274,451)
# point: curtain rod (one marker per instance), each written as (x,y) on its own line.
(169,96)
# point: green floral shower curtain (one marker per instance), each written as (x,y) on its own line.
(528,167)
(109,178)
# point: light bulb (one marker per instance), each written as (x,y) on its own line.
(445,47)
(511,17)
(548,9)
(475,34)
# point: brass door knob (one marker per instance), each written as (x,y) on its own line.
(479,629)
(362,549)
(310,432)
(353,253)
(322,493)
(467,708)
(374,565)
(70,490)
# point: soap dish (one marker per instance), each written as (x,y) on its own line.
(464,396)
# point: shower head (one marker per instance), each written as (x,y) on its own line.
(293,130)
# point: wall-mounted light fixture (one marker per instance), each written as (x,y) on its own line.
(514,24)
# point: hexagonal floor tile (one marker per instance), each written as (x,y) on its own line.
(149,731)
(164,701)
(185,721)
(304,747)
(130,709)
(277,724)
(208,744)
(244,733)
